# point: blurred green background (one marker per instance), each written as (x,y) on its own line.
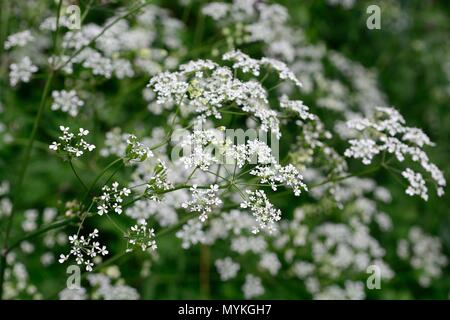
(411,55)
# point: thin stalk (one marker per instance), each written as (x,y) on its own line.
(76,175)
(204,271)
(115,223)
(36,233)
(21,177)
(362,173)
(92,186)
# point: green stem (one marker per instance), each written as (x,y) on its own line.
(362,173)
(115,223)
(76,175)
(49,227)
(21,177)
(92,186)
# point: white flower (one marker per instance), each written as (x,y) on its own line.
(265,213)
(99,64)
(252,287)
(94,234)
(71,145)
(203,201)
(270,262)
(364,149)
(210,88)
(66,101)
(386,132)
(111,199)
(227,268)
(62,258)
(283,70)
(242,61)
(104,288)
(103,251)
(416,185)
(89,265)
(191,233)
(199,147)
(19,39)
(54,146)
(136,151)
(242,244)
(296,106)
(83,248)
(122,68)
(277,174)
(21,71)
(424,254)
(73,294)
(83,132)
(142,237)
(216,10)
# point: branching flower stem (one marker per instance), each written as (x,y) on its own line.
(92,186)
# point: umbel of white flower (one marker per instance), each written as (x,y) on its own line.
(203,201)
(207,88)
(19,39)
(66,101)
(84,250)
(21,71)
(386,133)
(136,151)
(111,199)
(71,145)
(159,180)
(265,213)
(142,237)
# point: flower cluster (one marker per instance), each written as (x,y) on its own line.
(424,253)
(67,101)
(243,62)
(416,184)
(327,243)
(136,151)
(18,39)
(270,262)
(298,107)
(227,268)
(71,145)
(203,201)
(386,133)
(111,199)
(108,286)
(158,182)
(142,237)
(252,287)
(84,249)
(21,71)
(199,149)
(191,233)
(262,209)
(277,174)
(252,152)
(208,88)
